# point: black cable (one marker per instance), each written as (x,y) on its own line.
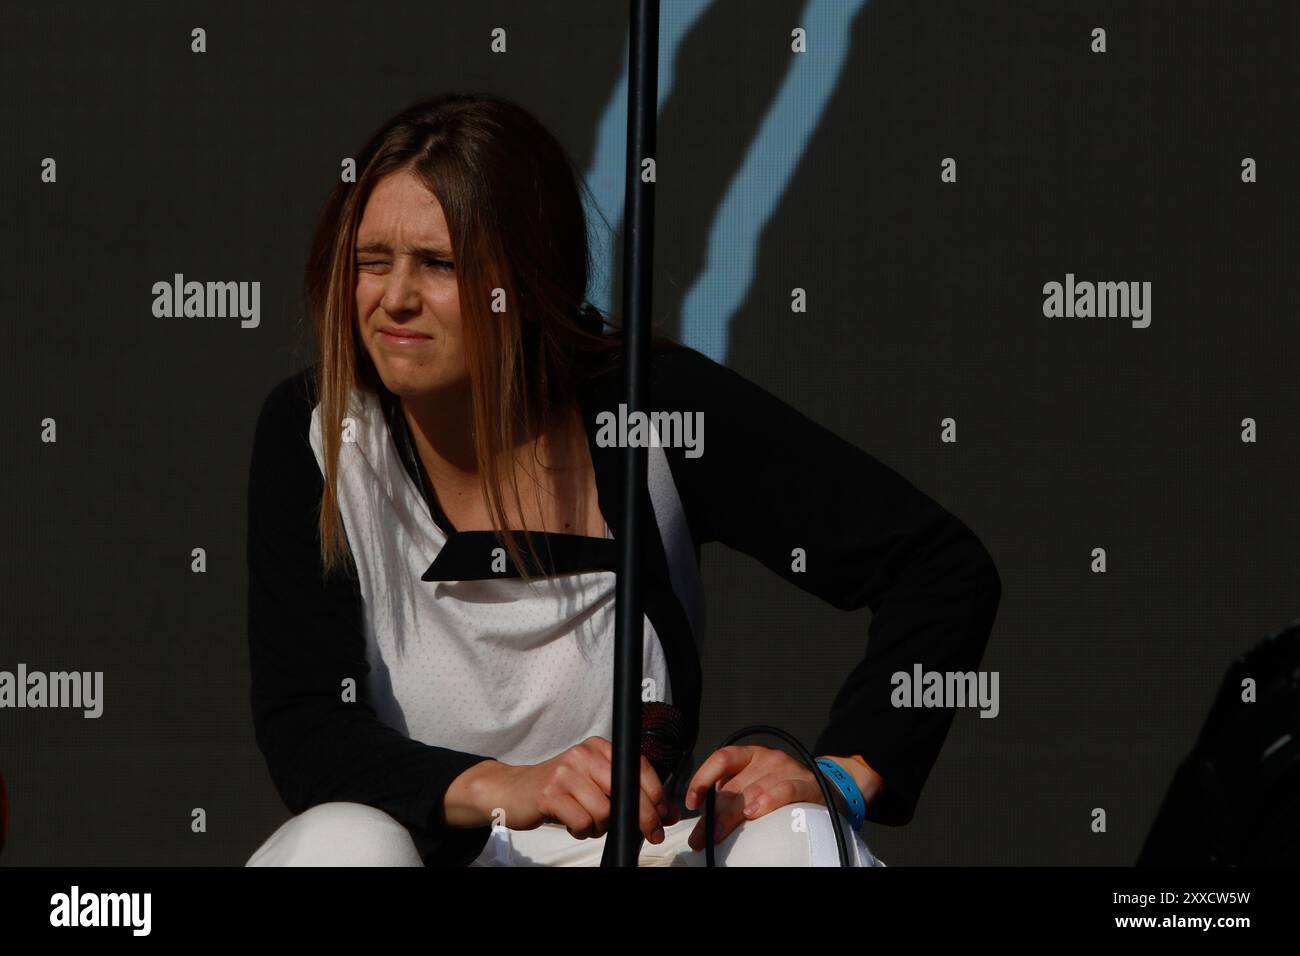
(808,760)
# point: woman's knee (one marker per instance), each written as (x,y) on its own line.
(339,834)
(800,834)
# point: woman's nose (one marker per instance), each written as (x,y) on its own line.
(400,292)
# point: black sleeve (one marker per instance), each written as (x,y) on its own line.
(771,480)
(306,635)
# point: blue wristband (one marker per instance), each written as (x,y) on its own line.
(853,799)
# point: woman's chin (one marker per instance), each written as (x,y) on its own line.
(409,379)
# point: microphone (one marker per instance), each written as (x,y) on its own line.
(663,729)
(662,733)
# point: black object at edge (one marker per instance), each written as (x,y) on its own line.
(623,841)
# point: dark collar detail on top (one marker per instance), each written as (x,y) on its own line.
(468,555)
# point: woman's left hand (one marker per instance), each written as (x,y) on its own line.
(754,781)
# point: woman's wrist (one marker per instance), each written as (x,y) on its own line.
(868,781)
(472,797)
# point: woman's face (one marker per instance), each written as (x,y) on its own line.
(408,305)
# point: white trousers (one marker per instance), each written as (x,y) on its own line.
(354,834)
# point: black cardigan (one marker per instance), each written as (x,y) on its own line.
(770,480)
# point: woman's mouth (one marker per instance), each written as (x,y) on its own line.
(403,338)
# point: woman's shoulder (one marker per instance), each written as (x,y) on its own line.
(295,390)
(290,401)
(678,373)
(282,435)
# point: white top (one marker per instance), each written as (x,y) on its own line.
(483,666)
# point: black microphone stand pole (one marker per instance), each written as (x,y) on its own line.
(623,839)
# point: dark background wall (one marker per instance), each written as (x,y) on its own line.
(925,301)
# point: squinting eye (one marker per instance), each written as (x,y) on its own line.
(441,264)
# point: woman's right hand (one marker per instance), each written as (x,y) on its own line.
(572,788)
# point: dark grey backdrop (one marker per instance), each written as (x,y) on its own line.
(925,302)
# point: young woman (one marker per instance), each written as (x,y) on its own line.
(432,514)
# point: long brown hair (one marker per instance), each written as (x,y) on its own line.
(510,194)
